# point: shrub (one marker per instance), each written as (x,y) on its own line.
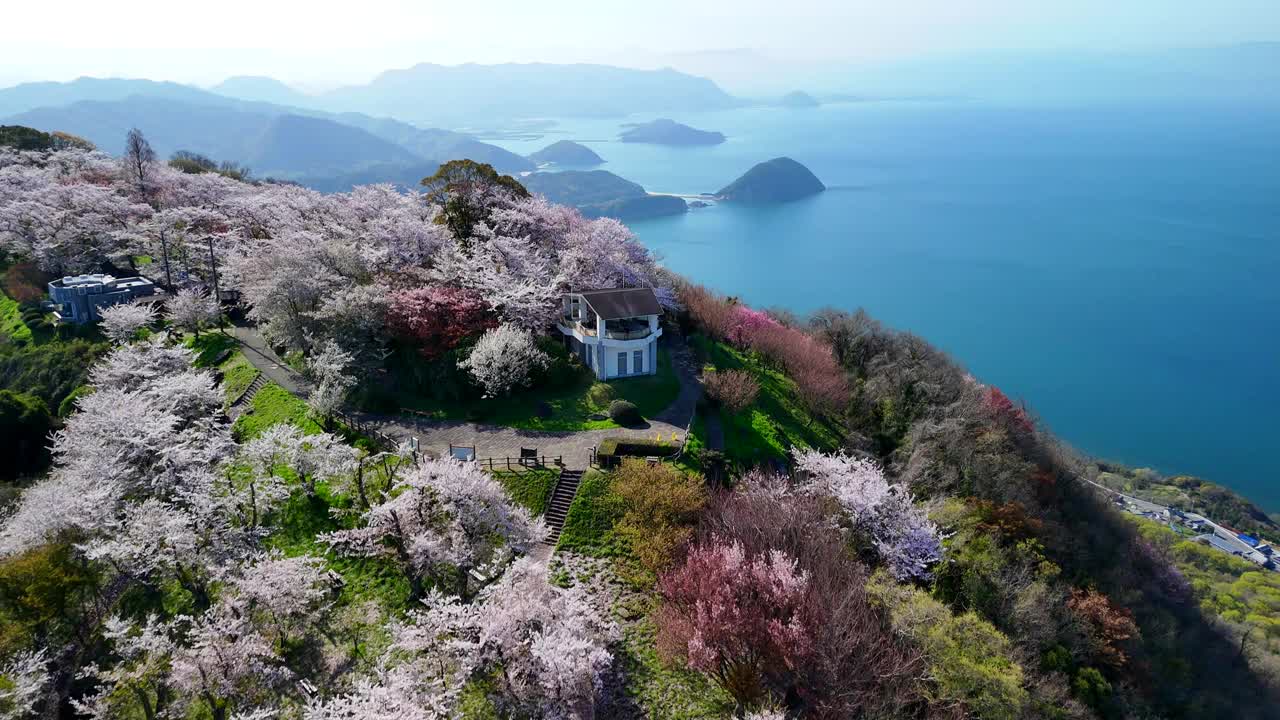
(601,394)
(969,659)
(564,370)
(624,413)
(24,428)
(68,404)
(735,390)
(661,505)
(611,449)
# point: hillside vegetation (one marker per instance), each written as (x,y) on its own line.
(855,526)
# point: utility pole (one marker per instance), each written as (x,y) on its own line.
(213,267)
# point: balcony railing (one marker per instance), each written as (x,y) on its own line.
(613,333)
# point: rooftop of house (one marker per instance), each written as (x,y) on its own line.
(91,279)
(619,303)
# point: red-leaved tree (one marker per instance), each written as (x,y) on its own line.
(436,319)
(734,616)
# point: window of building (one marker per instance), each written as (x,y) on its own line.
(637,361)
(622,363)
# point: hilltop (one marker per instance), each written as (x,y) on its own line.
(776,180)
(247,490)
(566,152)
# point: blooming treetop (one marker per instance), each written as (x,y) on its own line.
(902,533)
(122,322)
(505,358)
(442,515)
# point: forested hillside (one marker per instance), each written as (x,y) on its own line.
(852,525)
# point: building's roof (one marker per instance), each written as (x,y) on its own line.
(622,302)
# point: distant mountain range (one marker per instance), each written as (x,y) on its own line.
(470,95)
(319,149)
(332,140)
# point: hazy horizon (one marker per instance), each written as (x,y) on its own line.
(757,47)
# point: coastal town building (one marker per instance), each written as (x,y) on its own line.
(615,332)
(79,298)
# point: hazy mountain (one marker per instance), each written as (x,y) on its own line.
(599,193)
(471,95)
(566,152)
(28,96)
(272,139)
(262,89)
(437,144)
(278,144)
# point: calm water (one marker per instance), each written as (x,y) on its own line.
(1118,269)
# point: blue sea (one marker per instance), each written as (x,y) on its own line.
(1118,269)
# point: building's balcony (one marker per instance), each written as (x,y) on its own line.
(631,329)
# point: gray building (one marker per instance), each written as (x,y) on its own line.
(77,299)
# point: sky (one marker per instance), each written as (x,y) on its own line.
(318,45)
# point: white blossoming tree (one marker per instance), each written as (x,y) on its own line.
(901,532)
(505,358)
(193,310)
(441,520)
(122,322)
(331,370)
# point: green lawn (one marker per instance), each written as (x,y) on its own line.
(530,488)
(666,692)
(588,526)
(571,407)
(237,375)
(273,405)
(776,422)
(11,324)
(209,346)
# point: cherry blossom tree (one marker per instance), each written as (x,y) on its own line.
(22,683)
(439,521)
(551,643)
(139,679)
(505,358)
(732,616)
(331,370)
(432,654)
(283,597)
(901,532)
(122,322)
(193,310)
(225,663)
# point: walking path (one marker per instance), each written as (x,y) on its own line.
(496,441)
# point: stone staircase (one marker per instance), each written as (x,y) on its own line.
(558,509)
(242,403)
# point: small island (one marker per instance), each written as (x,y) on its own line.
(777,180)
(669,132)
(599,193)
(799,99)
(566,152)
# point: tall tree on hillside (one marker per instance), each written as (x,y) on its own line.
(466,190)
(138,159)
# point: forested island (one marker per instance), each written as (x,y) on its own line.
(599,193)
(566,152)
(669,132)
(353,461)
(777,180)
